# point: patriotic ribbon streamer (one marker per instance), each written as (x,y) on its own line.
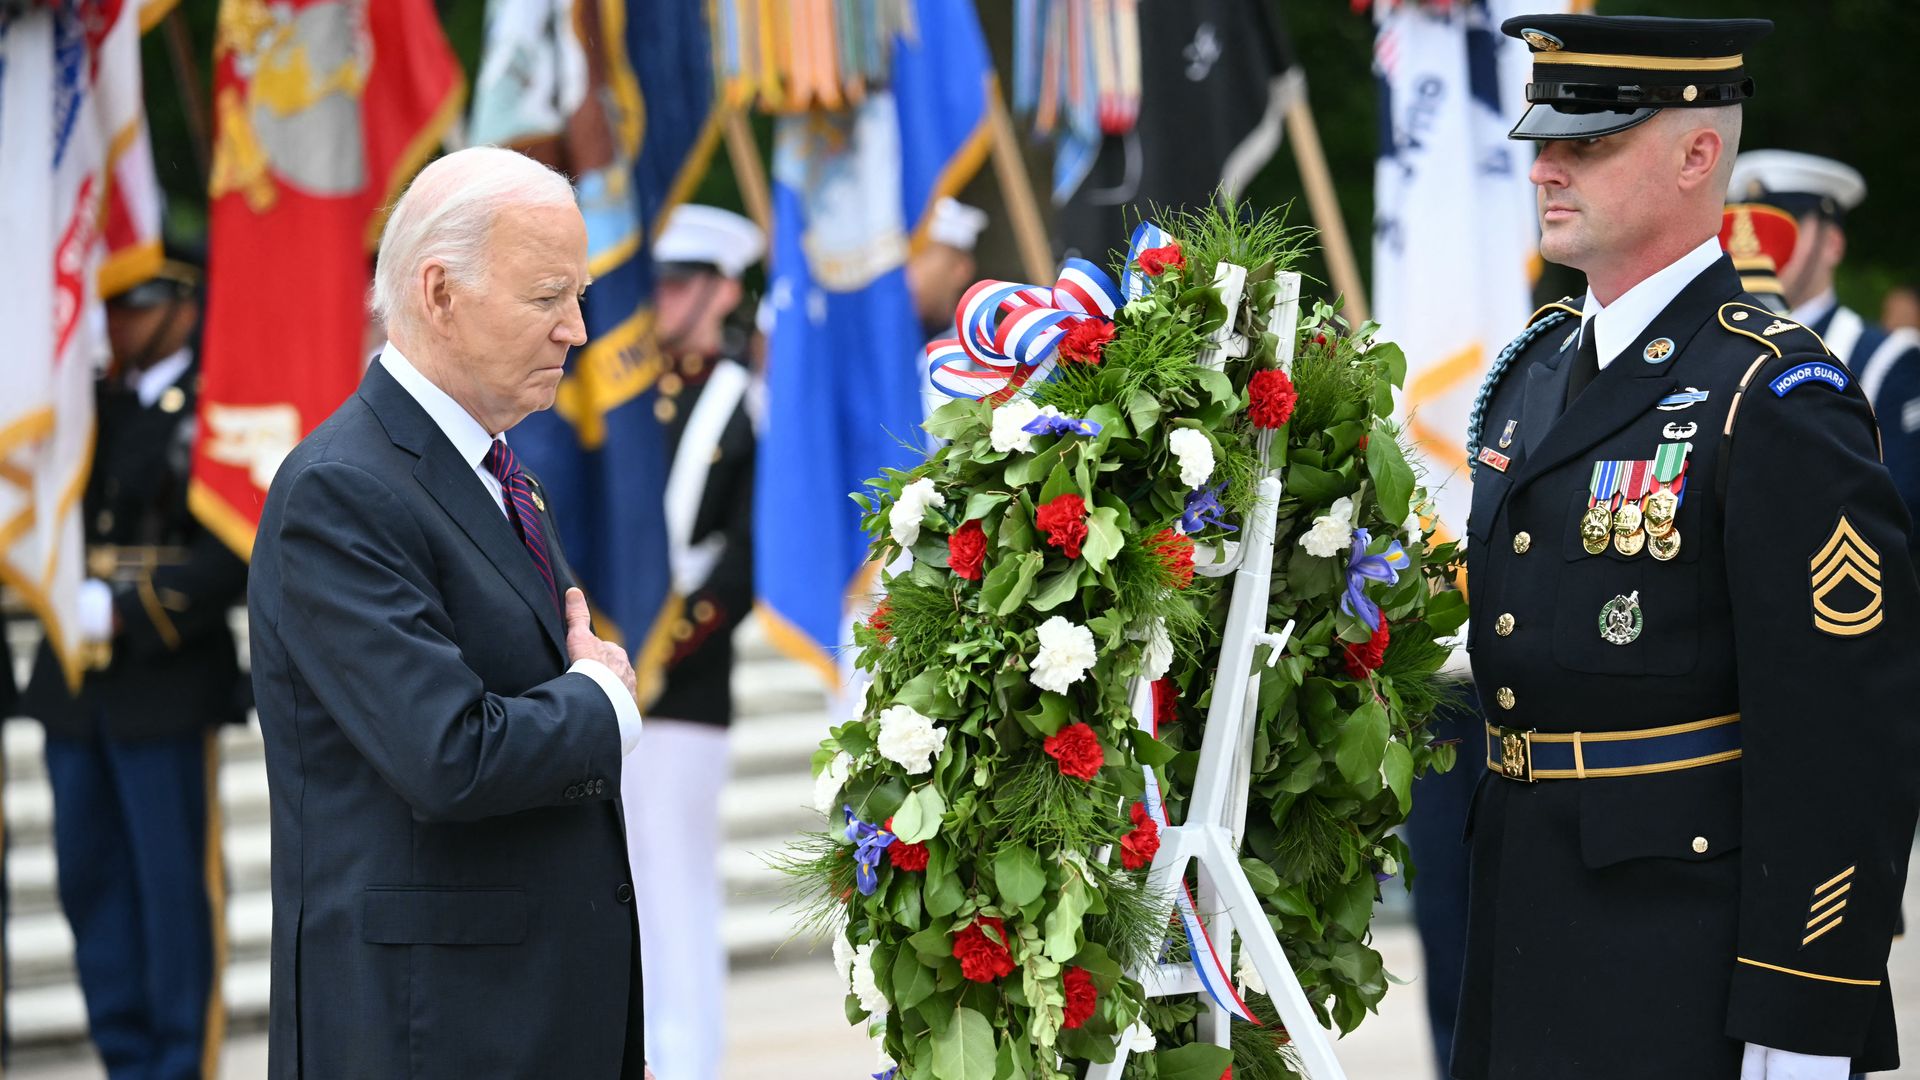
(1009,332)
(1214,976)
(1146,236)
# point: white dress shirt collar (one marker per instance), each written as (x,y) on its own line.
(469,439)
(160,377)
(1815,309)
(1618,324)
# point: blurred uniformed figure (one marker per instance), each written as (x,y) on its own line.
(1760,239)
(1692,621)
(132,759)
(674,779)
(1820,193)
(938,275)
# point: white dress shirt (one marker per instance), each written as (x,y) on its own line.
(1815,309)
(1618,325)
(471,441)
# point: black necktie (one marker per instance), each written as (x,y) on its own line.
(1586,364)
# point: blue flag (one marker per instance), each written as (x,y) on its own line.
(852,192)
(636,141)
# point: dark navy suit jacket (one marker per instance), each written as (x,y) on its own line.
(450,886)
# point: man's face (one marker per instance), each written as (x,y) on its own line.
(515,326)
(1601,197)
(691,309)
(1816,254)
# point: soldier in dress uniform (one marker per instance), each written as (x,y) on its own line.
(1821,192)
(1760,239)
(132,758)
(675,777)
(1692,621)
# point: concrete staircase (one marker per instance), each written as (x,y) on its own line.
(782,717)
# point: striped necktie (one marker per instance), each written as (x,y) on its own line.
(520,510)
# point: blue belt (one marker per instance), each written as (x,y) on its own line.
(1528,756)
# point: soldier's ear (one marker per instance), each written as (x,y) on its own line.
(1703,152)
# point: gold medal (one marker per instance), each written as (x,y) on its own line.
(1630,544)
(1666,546)
(1594,527)
(1662,505)
(1627,519)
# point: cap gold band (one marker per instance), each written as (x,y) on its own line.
(1641,63)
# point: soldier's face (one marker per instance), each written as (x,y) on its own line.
(519,321)
(1600,198)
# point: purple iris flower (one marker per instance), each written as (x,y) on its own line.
(888,1075)
(870,844)
(1203,509)
(1362,568)
(1061,425)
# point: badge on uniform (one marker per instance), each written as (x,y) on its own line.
(1805,373)
(539,503)
(1682,399)
(1506,437)
(1597,523)
(1621,619)
(1657,350)
(1631,505)
(1494,458)
(1845,573)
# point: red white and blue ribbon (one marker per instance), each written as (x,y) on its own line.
(1215,977)
(1146,236)
(1010,333)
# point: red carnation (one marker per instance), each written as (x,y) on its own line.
(1176,554)
(1138,847)
(1064,520)
(1081,995)
(966,550)
(1361,445)
(982,958)
(1166,702)
(1157,261)
(1085,340)
(879,621)
(1078,751)
(905,856)
(1270,398)
(1363,659)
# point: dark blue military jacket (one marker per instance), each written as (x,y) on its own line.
(1647,920)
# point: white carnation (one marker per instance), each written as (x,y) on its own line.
(1066,652)
(1143,1040)
(865,986)
(1195,453)
(909,739)
(1332,532)
(826,786)
(1009,422)
(843,956)
(910,507)
(1248,975)
(1157,658)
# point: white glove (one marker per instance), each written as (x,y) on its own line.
(1765,1063)
(95,610)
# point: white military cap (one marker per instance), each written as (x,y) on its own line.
(709,236)
(956,224)
(1797,183)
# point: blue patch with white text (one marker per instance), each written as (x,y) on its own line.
(1806,373)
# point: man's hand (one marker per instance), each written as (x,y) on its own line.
(582,645)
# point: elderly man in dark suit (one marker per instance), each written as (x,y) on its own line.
(444,731)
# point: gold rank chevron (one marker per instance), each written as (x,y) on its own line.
(1846,557)
(1829,900)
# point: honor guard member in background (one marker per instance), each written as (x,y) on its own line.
(1693,616)
(675,777)
(1759,239)
(938,275)
(132,759)
(1821,192)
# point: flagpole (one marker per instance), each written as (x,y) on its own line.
(186,77)
(1325,205)
(749,169)
(1016,186)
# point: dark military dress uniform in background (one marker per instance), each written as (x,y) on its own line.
(1692,629)
(130,759)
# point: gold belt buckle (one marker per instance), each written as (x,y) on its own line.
(1516,754)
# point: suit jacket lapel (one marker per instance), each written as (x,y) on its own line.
(454,485)
(1546,394)
(1632,383)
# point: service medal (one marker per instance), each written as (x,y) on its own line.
(1666,546)
(1597,522)
(1621,619)
(1594,527)
(1661,506)
(1627,519)
(1630,544)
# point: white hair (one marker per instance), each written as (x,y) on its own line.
(446,215)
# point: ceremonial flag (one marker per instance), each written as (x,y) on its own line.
(1454,241)
(1216,77)
(69,91)
(130,228)
(620,97)
(853,192)
(323,110)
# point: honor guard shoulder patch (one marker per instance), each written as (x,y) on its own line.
(1801,374)
(1845,579)
(1780,336)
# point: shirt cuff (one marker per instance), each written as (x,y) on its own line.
(625,709)
(1786,1065)
(95,616)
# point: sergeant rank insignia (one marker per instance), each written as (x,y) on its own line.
(1621,619)
(1845,576)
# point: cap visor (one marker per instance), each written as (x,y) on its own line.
(1547,122)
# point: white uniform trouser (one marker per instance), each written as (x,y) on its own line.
(670,787)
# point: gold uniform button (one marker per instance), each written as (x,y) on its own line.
(104,523)
(1504,624)
(1700,845)
(664,411)
(1504,696)
(1521,542)
(670,384)
(702,612)
(173,400)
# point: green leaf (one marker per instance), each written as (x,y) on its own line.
(1059,482)
(1392,359)
(942,892)
(1392,476)
(1311,576)
(918,819)
(1143,411)
(1260,876)
(1195,1061)
(1351,905)
(1008,583)
(958,418)
(1399,765)
(1362,744)
(1025,470)
(931,945)
(1017,872)
(1063,922)
(1058,589)
(925,694)
(1446,612)
(1016,529)
(903,899)
(965,1050)
(1215,383)
(1149,750)
(1316,487)
(913,980)
(980,503)
(1103,538)
(1052,714)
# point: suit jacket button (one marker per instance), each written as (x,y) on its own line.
(1521,542)
(624,893)
(1700,845)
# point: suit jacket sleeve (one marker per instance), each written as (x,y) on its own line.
(174,605)
(364,625)
(1825,611)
